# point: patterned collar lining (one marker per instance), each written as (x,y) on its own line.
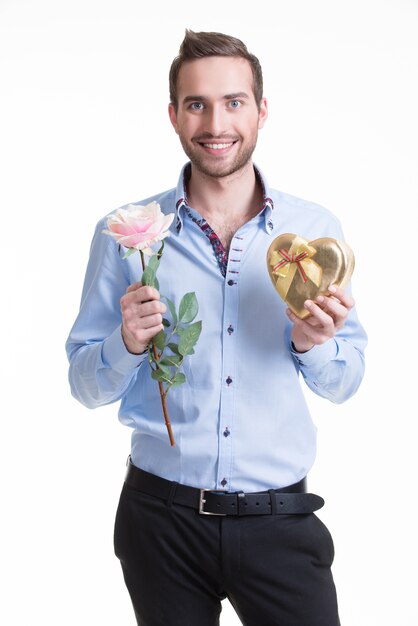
(267,201)
(218,249)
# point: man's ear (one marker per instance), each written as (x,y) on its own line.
(263,114)
(173,116)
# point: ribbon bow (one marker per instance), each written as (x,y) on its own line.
(297,258)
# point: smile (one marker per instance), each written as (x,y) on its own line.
(217,146)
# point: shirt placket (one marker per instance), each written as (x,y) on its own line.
(230,383)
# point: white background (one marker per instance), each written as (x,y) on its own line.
(84,129)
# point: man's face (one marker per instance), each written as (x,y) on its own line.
(217,118)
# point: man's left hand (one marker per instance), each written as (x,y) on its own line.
(328,315)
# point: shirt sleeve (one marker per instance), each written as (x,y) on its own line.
(101,368)
(335,369)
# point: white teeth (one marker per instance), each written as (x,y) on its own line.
(217,146)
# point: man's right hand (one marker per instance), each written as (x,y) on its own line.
(141,316)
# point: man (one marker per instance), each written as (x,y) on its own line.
(240,422)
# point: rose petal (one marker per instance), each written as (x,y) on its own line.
(139,226)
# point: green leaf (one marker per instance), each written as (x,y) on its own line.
(154,263)
(172,360)
(159,340)
(178,379)
(188,308)
(166,370)
(189,338)
(174,348)
(166,322)
(162,372)
(129,252)
(172,309)
(150,271)
(148,276)
(160,251)
(161,376)
(151,357)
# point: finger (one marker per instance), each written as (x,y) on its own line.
(345,298)
(150,308)
(304,335)
(319,314)
(133,287)
(311,321)
(136,323)
(145,291)
(142,315)
(151,321)
(291,315)
(142,293)
(333,307)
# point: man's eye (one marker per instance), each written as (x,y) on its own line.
(196,106)
(235,104)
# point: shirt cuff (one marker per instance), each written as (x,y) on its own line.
(318,356)
(116,356)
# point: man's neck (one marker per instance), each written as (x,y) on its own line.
(228,195)
(226,203)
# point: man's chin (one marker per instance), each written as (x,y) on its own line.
(219,170)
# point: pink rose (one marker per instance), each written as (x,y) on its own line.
(138,227)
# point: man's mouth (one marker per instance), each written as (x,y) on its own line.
(217,146)
(212,146)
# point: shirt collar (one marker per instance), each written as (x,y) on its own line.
(181,198)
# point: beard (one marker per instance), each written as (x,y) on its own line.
(218,167)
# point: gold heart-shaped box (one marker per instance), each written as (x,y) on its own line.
(302,270)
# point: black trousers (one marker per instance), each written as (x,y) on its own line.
(179,565)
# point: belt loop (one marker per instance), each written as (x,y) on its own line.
(128,466)
(241,503)
(171,495)
(273,501)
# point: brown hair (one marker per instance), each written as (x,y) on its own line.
(200,45)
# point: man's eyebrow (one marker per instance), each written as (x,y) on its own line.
(228,96)
(238,94)
(194,99)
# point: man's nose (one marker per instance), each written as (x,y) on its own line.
(216,121)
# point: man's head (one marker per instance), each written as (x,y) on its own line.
(217,104)
(201,45)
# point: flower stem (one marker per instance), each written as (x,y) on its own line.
(160,384)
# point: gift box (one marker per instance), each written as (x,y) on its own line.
(303,270)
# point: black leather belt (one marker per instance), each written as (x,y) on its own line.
(288,500)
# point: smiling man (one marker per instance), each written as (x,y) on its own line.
(216,120)
(225,512)
(214,111)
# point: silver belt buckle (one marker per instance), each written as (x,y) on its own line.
(202,501)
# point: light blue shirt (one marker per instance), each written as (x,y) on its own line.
(240,422)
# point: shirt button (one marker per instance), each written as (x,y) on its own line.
(224,482)
(231,282)
(228,381)
(226,432)
(230,329)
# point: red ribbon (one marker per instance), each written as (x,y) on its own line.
(293,258)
